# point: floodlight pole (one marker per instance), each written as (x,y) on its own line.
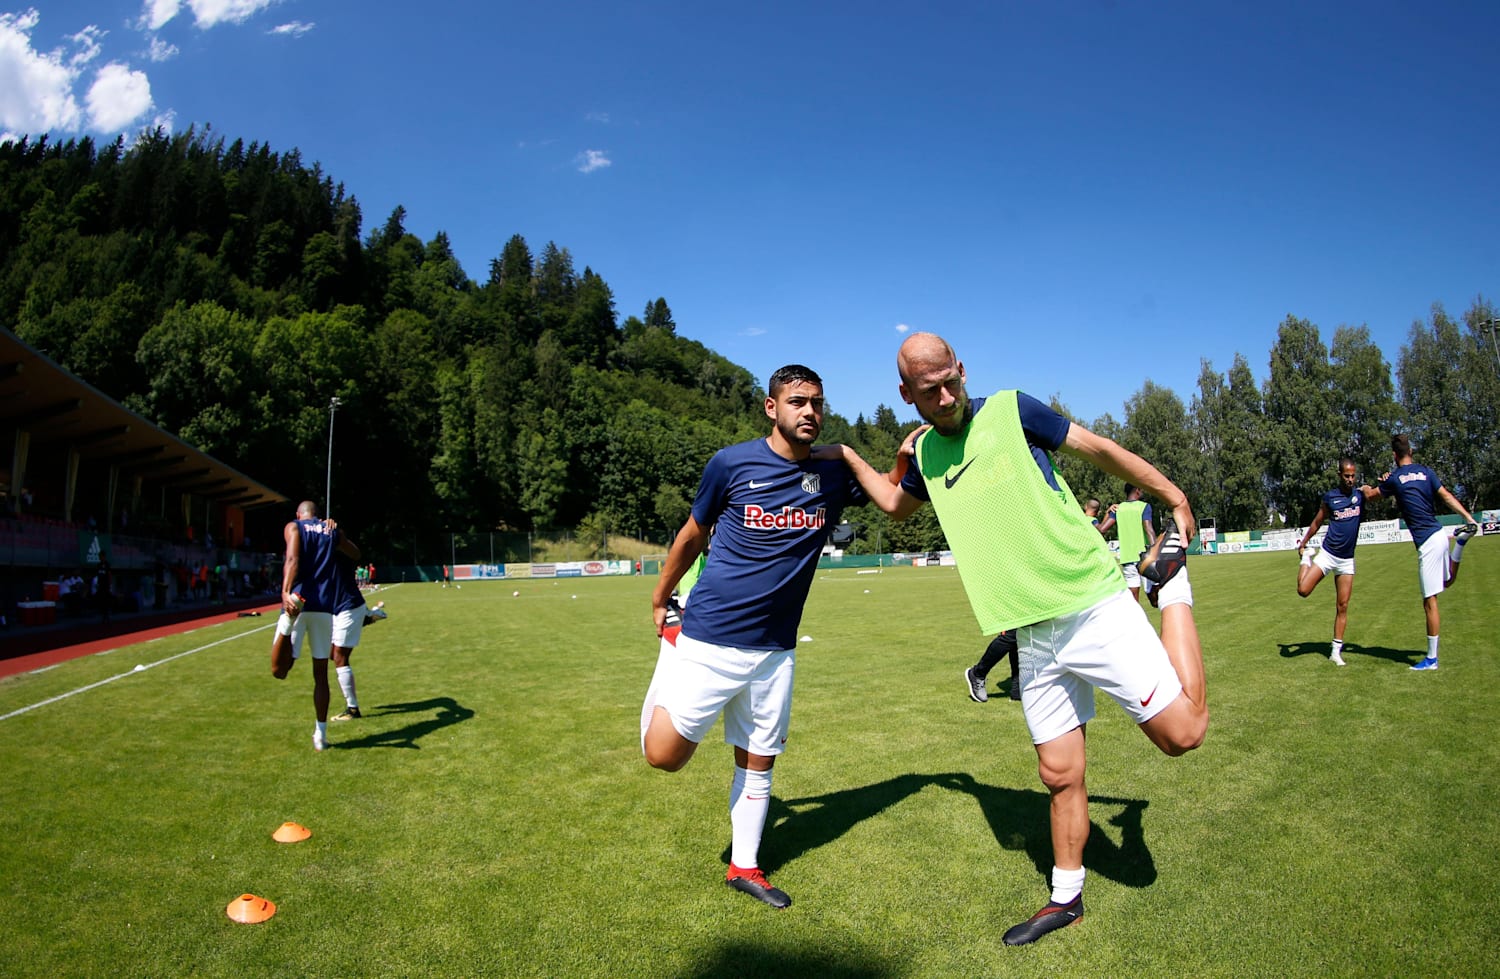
(333,407)
(1491,325)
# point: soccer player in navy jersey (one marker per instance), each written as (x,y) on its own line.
(1417,490)
(770,505)
(1341,508)
(1032,561)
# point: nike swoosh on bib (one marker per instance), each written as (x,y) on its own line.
(950,481)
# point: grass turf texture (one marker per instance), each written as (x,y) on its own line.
(491,814)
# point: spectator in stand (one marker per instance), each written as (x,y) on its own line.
(103,590)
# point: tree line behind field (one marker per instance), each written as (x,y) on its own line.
(228,292)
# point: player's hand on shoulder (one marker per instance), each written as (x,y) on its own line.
(831,450)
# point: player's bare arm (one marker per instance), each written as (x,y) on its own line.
(1453,504)
(1110,457)
(882,489)
(291,568)
(688,544)
(1312,528)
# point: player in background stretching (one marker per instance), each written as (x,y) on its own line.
(1046,572)
(770,506)
(1131,521)
(1342,508)
(309,595)
(1417,490)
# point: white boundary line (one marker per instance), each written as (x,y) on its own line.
(138,669)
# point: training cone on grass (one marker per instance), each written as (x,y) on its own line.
(248,909)
(291,833)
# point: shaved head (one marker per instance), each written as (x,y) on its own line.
(923,352)
(307,510)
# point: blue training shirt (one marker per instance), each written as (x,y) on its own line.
(771,517)
(1344,513)
(1415,488)
(317,572)
(1045,429)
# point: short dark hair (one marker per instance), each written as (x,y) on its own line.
(1401,445)
(791,374)
(1346,461)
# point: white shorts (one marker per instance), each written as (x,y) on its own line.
(1132,575)
(1432,563)
(1110,645)
(1328,564)
(751,687)
(347,627)
(317,629)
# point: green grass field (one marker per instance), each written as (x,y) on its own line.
(492,815)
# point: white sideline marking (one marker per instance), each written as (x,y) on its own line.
(139,668)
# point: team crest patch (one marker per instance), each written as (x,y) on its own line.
(811,482)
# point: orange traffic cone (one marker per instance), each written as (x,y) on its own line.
(248,909)
(291,833)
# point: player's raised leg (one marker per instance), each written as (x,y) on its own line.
(1182,725)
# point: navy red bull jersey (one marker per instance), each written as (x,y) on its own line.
(1415,488)
(1344,513)
(771,517)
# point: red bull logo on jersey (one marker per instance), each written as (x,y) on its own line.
(787,518)
(1346,513)
(1405,478)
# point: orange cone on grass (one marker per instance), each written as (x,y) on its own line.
(248,909)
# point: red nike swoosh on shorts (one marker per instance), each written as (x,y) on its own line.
(1147,701)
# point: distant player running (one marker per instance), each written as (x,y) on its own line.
(1417,490)
(1342,508)
(770,506)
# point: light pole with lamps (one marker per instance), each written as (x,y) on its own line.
(333,407)
(1490,326)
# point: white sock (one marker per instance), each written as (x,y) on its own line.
(284,625)
(1338,647)
(749,801)
(322,729)
(1175,592)
(1307,554)
(1432,647)
(1458,550)
(346,684)
(1066,884)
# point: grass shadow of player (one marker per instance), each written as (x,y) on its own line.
(445,711)
(1403,656)
(735,959)
(1019,819)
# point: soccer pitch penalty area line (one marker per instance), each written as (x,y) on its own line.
(140,668)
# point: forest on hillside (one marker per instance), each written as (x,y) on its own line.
(229,293)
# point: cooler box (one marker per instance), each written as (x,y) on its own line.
(49,591)
(37,613)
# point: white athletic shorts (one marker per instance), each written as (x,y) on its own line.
(1432,563)
(1110,645)
(751,687)
(1328,564)
(1132,575)
(317,629)
(347,627)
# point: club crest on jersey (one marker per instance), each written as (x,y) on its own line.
(811,483)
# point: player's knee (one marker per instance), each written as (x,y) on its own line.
(1059,778)
(1186,737)
(1304,589)
(666,761)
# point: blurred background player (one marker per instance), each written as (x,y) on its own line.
(1417,490)
(1001,647)
(1131,522)
(1342,507)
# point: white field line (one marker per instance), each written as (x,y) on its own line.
(138,669)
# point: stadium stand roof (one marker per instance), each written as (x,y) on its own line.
(56,408)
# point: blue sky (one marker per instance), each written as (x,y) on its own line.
(1079,195)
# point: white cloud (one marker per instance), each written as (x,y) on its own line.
(36,88)
(600,117)
(902,328)
(591,160)
(88,46)
(156,13)
(294,28)
(753,331)
(160,50)
(207,13)
(118,97)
